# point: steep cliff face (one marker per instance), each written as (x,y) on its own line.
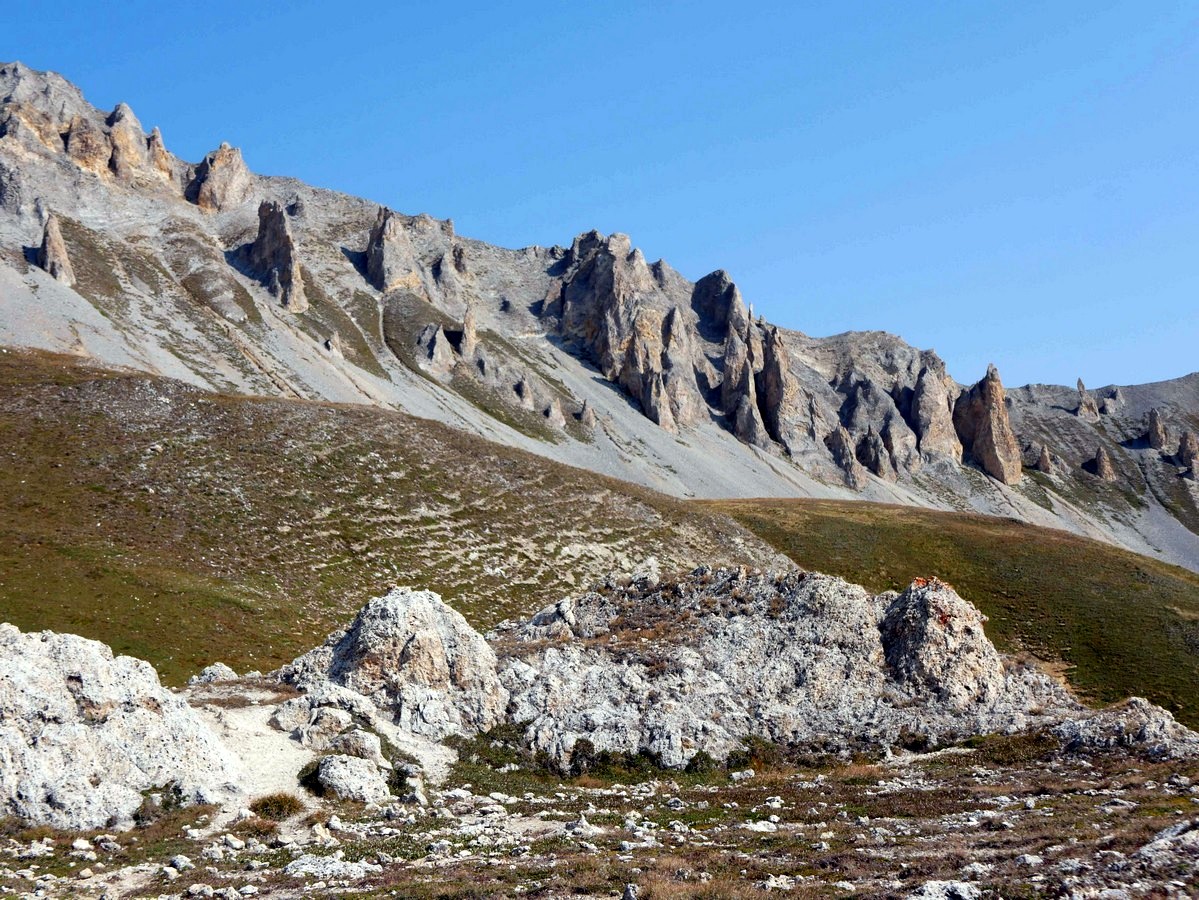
(588,353)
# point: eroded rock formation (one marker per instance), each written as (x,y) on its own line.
(52,255)
(84,733)
(221,181)
(411,654)
(1105,468)
(1156,434)
(273,258)
(981,421)
(747,663)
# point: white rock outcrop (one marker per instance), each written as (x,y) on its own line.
(797,658)
(83,734)
(415,657)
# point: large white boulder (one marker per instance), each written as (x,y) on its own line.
(83,734)
(415,657)
(702,663)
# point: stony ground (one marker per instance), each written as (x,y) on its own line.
(1009,817)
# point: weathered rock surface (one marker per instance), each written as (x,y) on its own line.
(416,254)
(352,778)
(795,658)
(981,420)
(1156,434)
(932,411)
(873,454)
(1087,408)
(1104,467)
(840,445)
(1136,724)
(273,257)
(416,657)
(221,181)
(52,255)
(84,733)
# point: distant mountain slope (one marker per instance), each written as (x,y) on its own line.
(113,248)
(1116,622)
(186,527)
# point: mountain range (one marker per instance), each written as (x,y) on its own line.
(114,249)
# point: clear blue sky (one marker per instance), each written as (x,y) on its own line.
(1005,182)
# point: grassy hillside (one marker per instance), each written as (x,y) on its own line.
(185,527)
(1118,623)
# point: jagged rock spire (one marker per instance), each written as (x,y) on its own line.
(273,259)
(1155,434)
(981,420)
(221,181)
(932,412)
(470,338)
(1087,408)
(1104,467)
(52,255)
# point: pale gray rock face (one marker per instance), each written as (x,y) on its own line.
(221,181)
(352,778)
(982,423)
(794,658)
(873,454)
(778,391)
(52,255)
(1134,724)
(84,733)
(841,446)
(932,411)
(415,657)
(273,257)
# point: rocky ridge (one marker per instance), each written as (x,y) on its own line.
(710,399)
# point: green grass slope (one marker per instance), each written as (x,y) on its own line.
(1118,623)
(185,527)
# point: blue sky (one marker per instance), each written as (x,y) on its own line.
(1016,183)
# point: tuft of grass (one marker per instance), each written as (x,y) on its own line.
(277,807)
(1115,622)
